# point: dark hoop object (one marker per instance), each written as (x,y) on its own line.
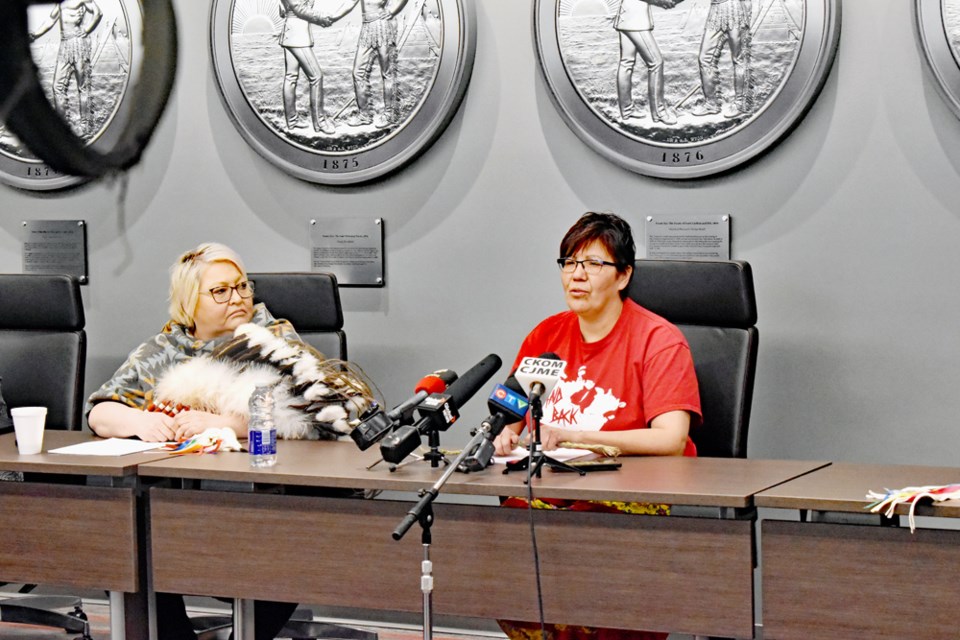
(37,124)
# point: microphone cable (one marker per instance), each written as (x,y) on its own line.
(533,536)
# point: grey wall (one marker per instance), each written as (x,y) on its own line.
(850,225)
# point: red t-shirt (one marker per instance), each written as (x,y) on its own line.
(641,369)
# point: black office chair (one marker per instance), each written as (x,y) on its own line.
(43,351)
(311,302)
(43,347)
(714,305)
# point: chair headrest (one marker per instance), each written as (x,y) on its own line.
(310,301)
(40,302)
(709,293)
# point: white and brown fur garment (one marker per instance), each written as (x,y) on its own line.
(314,398)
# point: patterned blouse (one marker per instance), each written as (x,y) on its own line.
(134,381)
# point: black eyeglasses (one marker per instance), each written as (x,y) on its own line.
(222,294)
(591,265)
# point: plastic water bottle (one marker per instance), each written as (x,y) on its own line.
(262,434)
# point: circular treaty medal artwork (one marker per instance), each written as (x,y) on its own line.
(938,26)
(684,88)
(342,91)
(88,55)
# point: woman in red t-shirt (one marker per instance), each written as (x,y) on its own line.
(629,381)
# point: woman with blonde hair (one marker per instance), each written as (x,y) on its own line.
(210,298)
(199,371)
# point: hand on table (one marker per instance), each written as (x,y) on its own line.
(190,423)
(155,427)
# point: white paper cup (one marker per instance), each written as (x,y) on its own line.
(28,424)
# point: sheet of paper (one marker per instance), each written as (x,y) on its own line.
(108,447)
(557,454)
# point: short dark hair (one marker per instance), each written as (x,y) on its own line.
(612,231)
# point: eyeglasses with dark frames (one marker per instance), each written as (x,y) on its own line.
(592,266)
(223,293)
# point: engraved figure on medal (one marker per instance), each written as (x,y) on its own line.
(700,80)
(82,50)
(333,79)
(713,68)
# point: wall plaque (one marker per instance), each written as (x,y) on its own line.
(88,53)
(349,248)
(688,237)
(938,26)
(684,88)
(55,246)
(341,93)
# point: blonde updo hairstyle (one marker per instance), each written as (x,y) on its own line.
(185,276)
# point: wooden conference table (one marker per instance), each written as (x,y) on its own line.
(76,522)
(841,573)
(224,529)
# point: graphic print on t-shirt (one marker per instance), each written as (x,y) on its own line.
(580,404)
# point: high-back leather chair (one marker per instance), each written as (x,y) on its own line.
(43,352)
(311,302)
(714,305)
(43,347)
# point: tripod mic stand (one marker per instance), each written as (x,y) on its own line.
(434,455)
(537,458)
(422,512)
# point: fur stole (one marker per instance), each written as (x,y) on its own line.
(314,398)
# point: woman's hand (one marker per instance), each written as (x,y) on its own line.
(506,442)
(190,423)
(551,437)
(154,427)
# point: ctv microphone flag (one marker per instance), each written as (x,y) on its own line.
(509,401)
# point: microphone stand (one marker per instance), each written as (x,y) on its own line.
(434,455)
(422,512)
(537,457)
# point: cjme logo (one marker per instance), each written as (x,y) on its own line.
(541,367)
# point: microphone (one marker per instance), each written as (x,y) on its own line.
(439,410)
(443,409)
(507,404)
(538,376)
(374,427)
(435,382)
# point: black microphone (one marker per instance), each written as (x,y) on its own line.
(439,410)
(443,409)
(376,426)
(508,404)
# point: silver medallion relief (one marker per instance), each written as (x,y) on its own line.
(938,26)
(88,54)
(342,91)
(684,88)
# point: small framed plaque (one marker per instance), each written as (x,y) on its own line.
(351,249)
(55,246)
(688,237)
